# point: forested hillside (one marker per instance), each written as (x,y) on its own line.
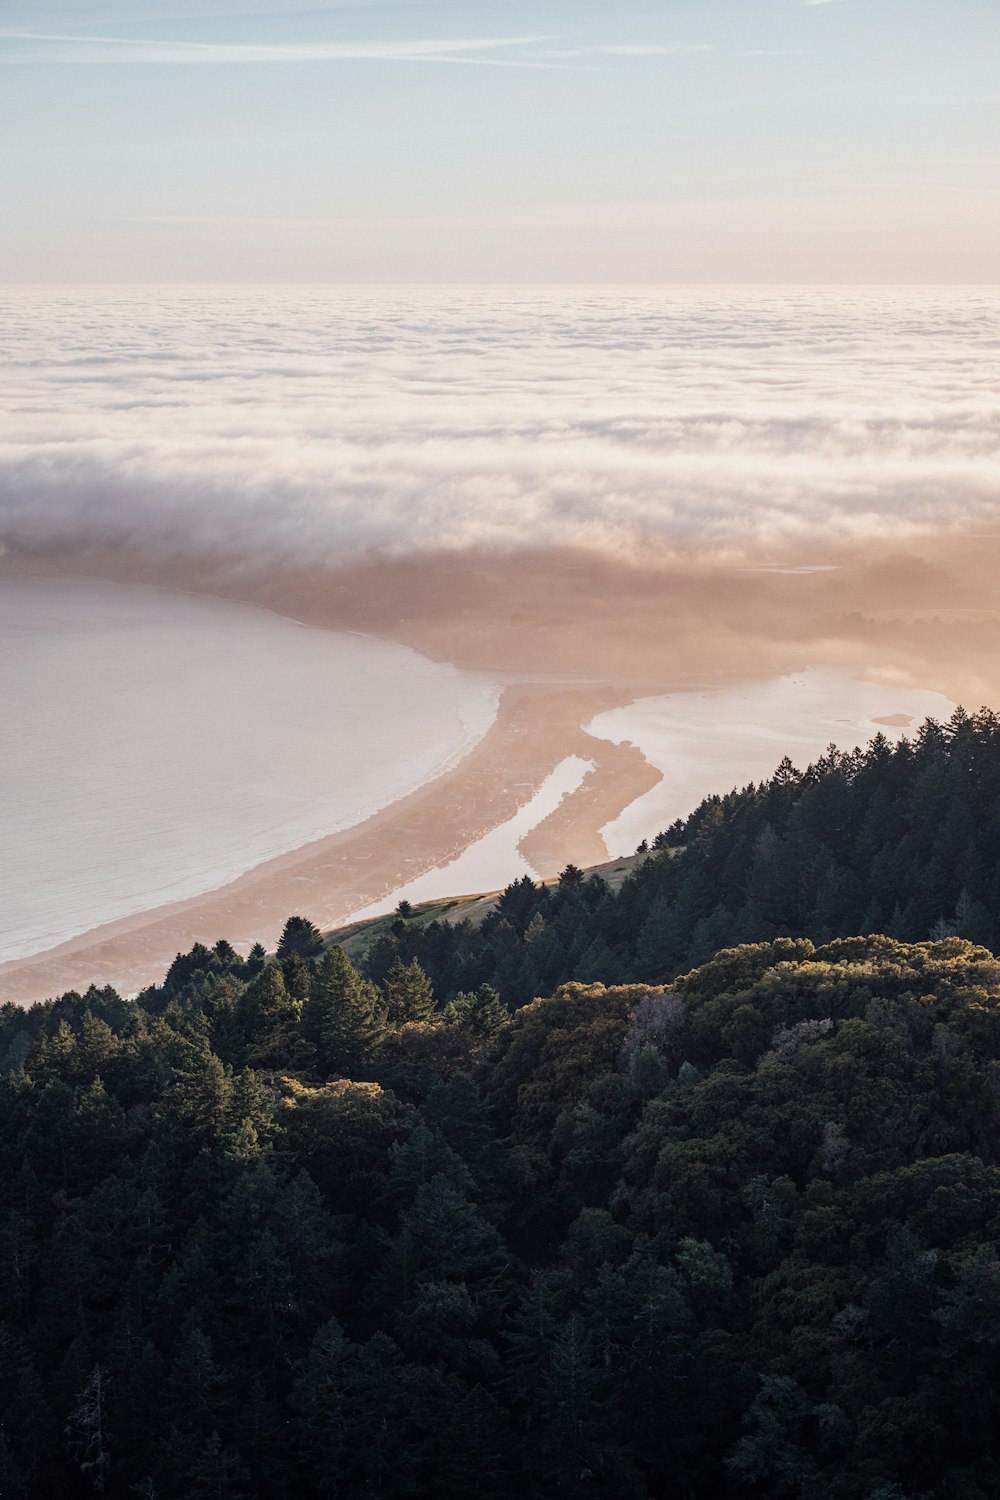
(271,1232)
(903,840)
(284,1228)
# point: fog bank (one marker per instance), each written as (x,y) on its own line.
(326,426)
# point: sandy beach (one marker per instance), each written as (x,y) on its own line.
(594,634)
(536,727)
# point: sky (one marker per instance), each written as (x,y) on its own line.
(471,141)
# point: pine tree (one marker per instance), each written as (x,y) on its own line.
(87,1428)
(265,1004)
(256,959)
(442,1237)
(483,1012)
(13,1480)
(343,1017)
(425,1154)
(408,993)
(97,1046)
(455,1105)
(226,954)
(476,1449)
(597,963)
(319,1395)
(217,1473)
(298,977)
(198,1096)
(191,1401)
(299,936)
(28,1418)
(385,1442)
(54,1058)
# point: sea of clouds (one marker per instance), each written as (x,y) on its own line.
(330,423)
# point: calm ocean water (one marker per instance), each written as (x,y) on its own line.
(707,741)
(154,745)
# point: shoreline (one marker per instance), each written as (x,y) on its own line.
(597,633)
(335,875)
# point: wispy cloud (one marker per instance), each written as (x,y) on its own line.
(649,49)
(628,49)
(43,47)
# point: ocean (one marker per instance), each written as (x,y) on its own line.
(712,739)
(154,745)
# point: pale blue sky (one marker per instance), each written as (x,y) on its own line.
(493,140)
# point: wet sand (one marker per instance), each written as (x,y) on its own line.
(571,833)
(595,632)
(536,728)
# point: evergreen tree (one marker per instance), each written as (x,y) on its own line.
(319,1397)
(343,1017)
(87,1428)
(265,1004)
(297,976)
(217,1473)
(482,1012)
(299,936)
(408,993)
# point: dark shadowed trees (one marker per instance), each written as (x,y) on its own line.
(300,936)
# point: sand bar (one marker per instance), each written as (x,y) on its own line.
(495,859)
(536,728)
(912,615)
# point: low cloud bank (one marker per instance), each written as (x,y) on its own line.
(329,425)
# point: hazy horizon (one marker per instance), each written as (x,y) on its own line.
(610,353)
(468,141)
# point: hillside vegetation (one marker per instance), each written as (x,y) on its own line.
(900,839)
(298,1227)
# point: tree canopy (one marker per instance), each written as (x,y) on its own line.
(546,1207)
(730,1237)
(901,839)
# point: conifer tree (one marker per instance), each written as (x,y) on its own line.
(97,1045)
(298,977)
(256,959)
(483,1012)
(319,1399)
(343,1017)
(300,936)
(264,1004)
(408,993)
(217,1473)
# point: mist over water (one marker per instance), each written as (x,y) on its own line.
(324,424)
